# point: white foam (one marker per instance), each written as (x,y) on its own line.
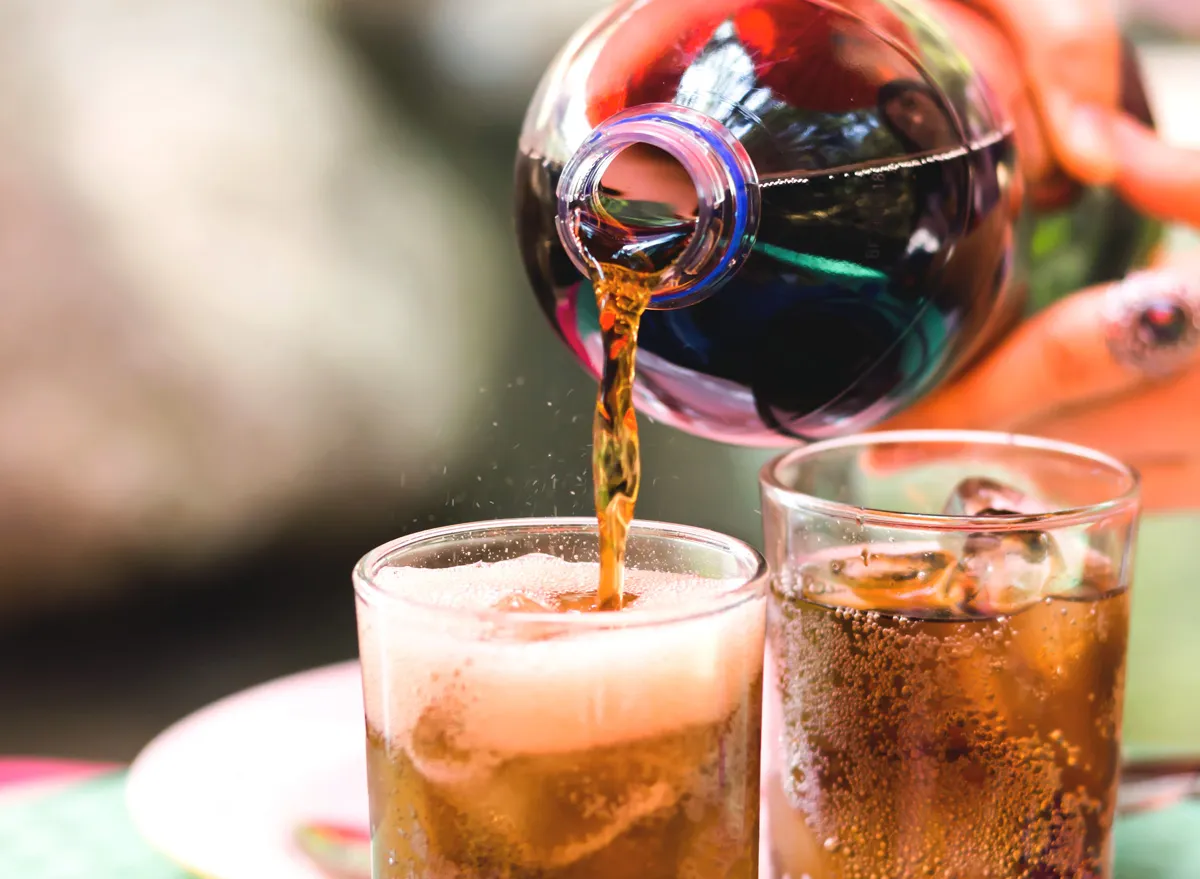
(569,692)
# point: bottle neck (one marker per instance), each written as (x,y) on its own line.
(705,246)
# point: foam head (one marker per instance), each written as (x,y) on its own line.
(684,654)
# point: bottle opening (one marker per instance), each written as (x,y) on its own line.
(646,176)
(644,213)
(664,191)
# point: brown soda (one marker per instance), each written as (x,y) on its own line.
(683,804)
(621,298)
(916,741)
(547,750)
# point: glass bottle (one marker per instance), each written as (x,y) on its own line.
(828,191)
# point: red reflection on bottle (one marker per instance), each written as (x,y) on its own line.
(812,55)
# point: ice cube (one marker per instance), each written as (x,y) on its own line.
(548,811)
(436,753)
(519,602)
(587,602)
(981,496)
(1002,572)
(867,578)
(565,602)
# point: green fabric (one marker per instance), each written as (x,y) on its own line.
(1162,708)
(1160,845)
(83,832)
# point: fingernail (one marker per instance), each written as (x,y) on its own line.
(1152,322)
(1087,135)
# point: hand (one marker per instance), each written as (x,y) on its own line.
(1056,376)
(1070,54)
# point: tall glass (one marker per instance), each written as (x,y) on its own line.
(513,734)
(947,628)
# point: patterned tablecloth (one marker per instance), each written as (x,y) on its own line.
(61,820)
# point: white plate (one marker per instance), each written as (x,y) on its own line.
(221,792)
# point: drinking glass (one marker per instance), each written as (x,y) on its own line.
(512,733)
(947,628)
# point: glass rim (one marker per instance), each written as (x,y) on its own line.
(367,588)
(770,481)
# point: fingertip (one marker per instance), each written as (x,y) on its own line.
(944,412)
(1160,178)
(949,407)
(885,460)
(1084,139)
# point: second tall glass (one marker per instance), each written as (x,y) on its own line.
(946,656)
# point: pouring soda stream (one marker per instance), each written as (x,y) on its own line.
(616,457)
(696,201)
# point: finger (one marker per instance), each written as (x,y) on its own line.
(1058,359)
(1156,431)
(1080,136)
(1071,55)
(1154,176)
(1069,46)
(1157,426)
(1170,486)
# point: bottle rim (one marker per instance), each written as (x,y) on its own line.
(727,190)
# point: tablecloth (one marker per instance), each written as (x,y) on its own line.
(62,820)
(68,821)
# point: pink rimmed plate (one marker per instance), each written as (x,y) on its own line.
(224,792)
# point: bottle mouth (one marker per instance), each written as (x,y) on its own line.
(665,191)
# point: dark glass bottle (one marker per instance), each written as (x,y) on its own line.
(830,191)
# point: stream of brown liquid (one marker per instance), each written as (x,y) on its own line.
(621,297)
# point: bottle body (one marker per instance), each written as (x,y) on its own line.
(886,247)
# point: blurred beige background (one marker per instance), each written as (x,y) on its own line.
(260,310)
